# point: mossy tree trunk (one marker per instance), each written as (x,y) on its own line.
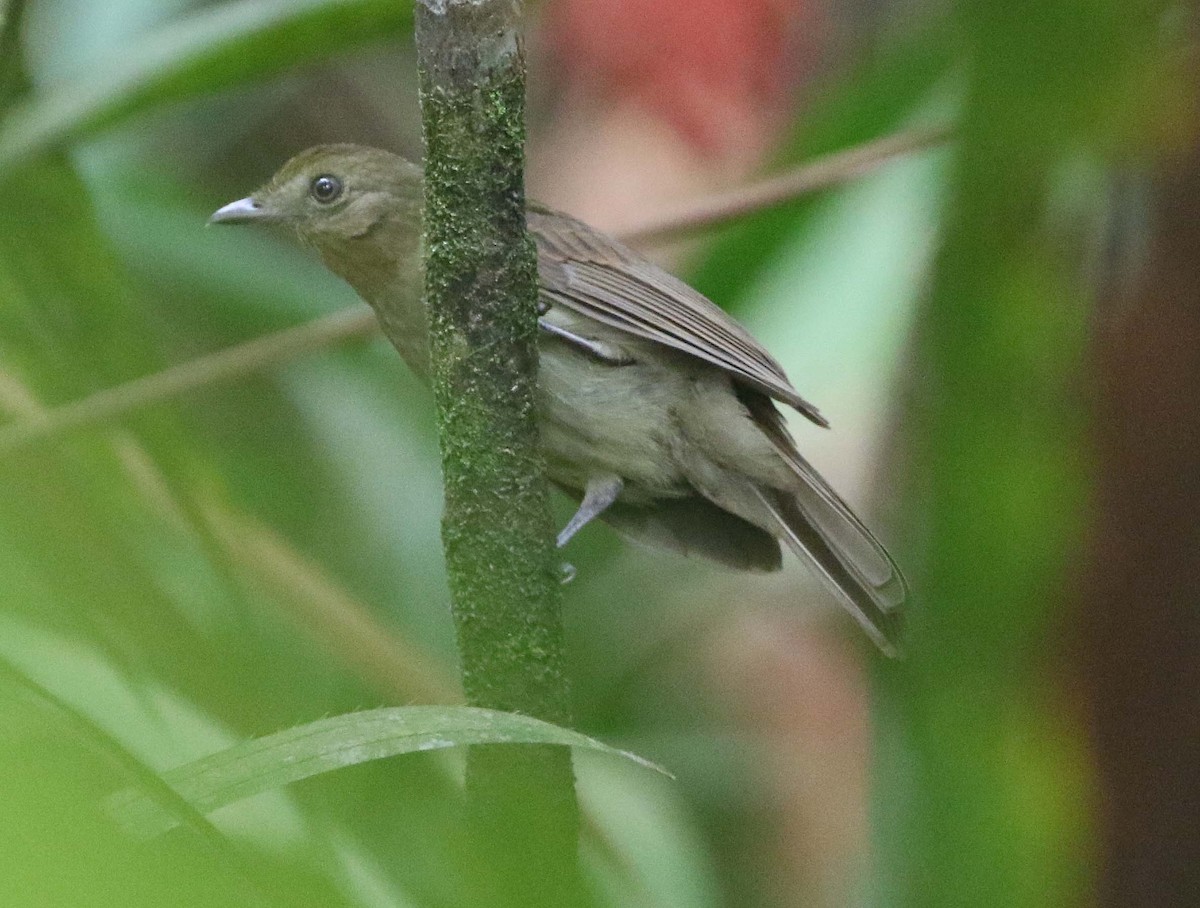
(481,287)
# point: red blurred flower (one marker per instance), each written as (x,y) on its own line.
(719,71)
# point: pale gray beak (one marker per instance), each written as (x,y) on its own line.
(243,211)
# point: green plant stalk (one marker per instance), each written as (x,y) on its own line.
(481,287)
(990,785)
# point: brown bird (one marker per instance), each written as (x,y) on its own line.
(657,409)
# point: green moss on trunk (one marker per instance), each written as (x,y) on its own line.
(481,287)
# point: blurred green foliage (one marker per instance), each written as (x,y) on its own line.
(260,556)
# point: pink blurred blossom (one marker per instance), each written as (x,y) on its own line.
(720,72)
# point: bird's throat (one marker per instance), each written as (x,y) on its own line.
(384,267)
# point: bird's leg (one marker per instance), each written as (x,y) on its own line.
(600,493)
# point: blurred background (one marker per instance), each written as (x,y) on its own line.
(1004,331)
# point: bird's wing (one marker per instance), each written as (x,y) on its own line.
(598,277)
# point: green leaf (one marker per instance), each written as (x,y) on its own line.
(642,842)
(210,50)
(84,544)
(54,762)
(319,747)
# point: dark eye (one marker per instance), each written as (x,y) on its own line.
(325,188)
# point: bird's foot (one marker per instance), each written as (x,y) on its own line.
(601,492)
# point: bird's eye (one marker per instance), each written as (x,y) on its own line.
(325,188)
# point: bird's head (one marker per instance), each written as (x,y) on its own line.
(342,199)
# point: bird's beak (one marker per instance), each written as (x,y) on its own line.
(243,211)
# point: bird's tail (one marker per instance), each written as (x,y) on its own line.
(821,529)
(818,526)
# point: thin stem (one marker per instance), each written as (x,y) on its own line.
(232,362)
(303,591)
(391,664)
(283,346)
(829,170)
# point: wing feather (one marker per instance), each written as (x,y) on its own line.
(598,277)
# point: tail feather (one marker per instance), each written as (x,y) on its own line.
(872,598)
(820,528)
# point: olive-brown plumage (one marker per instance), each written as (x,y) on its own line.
(656,408)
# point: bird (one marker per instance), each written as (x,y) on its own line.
(657,411)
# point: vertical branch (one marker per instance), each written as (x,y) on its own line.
(481,287)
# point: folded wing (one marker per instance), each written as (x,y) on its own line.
(600,278)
